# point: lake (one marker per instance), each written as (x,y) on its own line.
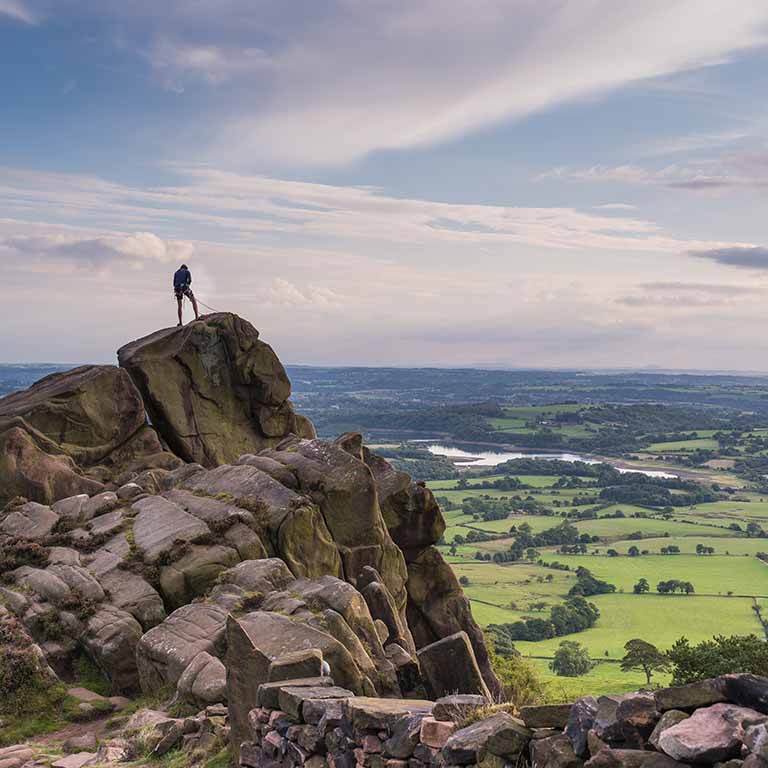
(486,458)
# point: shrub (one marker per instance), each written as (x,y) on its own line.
(519,681)
(18,552)
(719,656)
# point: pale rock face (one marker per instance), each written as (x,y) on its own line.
(711,734)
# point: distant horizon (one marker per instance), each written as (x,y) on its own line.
(650,370)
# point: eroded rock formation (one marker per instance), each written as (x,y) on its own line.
(213,389)
(200,568)
(70,432)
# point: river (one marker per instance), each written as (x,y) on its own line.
(490,458)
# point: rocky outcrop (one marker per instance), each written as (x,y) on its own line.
(304,544)
(70,432)
(213,389)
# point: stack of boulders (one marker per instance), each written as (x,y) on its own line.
(723,722)
(313,722)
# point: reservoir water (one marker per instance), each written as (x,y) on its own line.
(490,458)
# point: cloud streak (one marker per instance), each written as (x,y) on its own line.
(97,252)
(17,10)
(369,77)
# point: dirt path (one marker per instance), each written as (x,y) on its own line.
(100,728)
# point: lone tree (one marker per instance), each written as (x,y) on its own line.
(641,587)
(644,656)
(571,659)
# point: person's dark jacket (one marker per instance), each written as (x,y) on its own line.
(182,279)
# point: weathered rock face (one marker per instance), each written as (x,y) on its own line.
(437,608)
(213,390)
(69,432)
(308,544)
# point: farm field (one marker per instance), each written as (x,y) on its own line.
(662,619)
(710,574)
(722,545)
(504,593)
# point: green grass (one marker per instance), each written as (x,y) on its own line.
(658,619)
(535,481)
(618,528)
(605,678)
(714,574)
(35,712)
(683,446)
(687,544)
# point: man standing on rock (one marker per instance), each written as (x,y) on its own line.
(182,280)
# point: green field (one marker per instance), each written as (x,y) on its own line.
(683,446)
(713,574)
(687,544)
(658,618)
(606,677)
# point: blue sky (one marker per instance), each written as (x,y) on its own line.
(450,182)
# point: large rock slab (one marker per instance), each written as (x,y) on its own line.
(195,573)
(111,638)
(364,714)
(501,735)
(747,690)
(160,524)
(168,649)
(63,424)
(29,521)
(710,735)
(204,681)
(213,389)
(449,666)
(702,693)
(437,608)
(275,635)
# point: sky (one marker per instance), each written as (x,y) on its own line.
(500,183)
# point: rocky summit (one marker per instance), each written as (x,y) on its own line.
(177,523)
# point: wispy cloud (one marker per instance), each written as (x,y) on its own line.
(235,208)
(96,252)
(744,170)
(18,10)
(329,83)
(684,295)
(615,207)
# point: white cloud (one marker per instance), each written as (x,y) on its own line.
(283,292)
(328,83)
(97,252)
(237,208)
(743,170)
(17,10)
(615,207)
(175,61)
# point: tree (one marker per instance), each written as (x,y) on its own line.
(571,659)
(646,657)
(633,551)
(641,587)
(464,581)
(719,656)
(612,553)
